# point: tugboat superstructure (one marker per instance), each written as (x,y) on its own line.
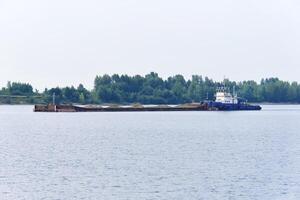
(225,100)
(224,96)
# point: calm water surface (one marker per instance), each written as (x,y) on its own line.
(160,155)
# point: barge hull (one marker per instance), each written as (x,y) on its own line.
(73,108)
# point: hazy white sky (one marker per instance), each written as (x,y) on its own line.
(67,42)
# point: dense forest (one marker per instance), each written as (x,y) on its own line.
(151,89)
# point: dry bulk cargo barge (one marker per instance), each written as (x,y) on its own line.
(114,108)
(225,101)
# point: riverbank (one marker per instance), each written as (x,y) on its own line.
(108,104)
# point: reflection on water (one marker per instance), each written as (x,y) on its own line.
(161,155)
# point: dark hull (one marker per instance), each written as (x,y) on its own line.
(232,107)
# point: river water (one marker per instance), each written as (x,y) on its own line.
(153,155)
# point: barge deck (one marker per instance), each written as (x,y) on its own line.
(140,108)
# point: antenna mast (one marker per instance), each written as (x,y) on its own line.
(234,91)
(53,98)
(224,83)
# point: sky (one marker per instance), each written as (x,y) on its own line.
(53,43)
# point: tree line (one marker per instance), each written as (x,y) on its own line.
(152,89)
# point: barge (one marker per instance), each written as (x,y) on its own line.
(132,108)
(225,101)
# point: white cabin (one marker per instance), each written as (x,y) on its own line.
(223,96)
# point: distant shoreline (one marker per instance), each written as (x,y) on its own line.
(277,104)
(153,89)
